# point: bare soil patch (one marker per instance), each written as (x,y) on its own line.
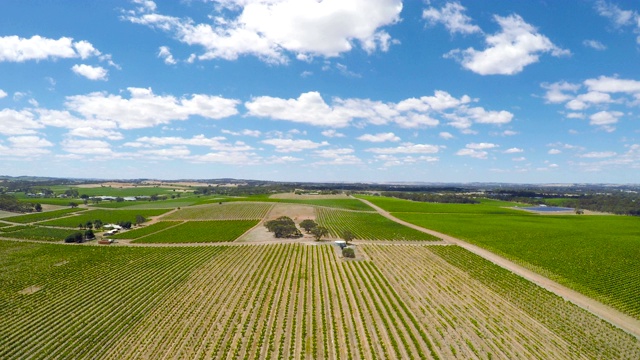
(297,212)
(30,290)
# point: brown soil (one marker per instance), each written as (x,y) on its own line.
(30,290)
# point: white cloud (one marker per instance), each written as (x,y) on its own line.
(145,109)
(617,15)
(513,150)
(90,132)
(342,156)
(91,72)
(290,145)
(26,146)
(14,122)
(164,53)
(605,119)
(554,152)
(556,92)
(481,146)
(445,135)
(310,108)
(271,29)
(407,148)
(478,154)
(599,155)
(331,133)
(607,84)
(86,147)
(594,44)
(452,17)
(18,49)
(245,132)
(2,94)
(521,158)
(382,137)
(517,45)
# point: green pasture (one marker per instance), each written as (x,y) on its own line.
(41,216)
(38,233)
(486,206)
(596,255)
(106,216)
(201,232)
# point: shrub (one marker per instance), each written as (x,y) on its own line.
(348,252)
(76,237)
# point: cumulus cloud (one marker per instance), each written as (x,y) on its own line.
(291,145)
(513,150)
(599,154)
(607,84)
(245,132)
(331,133)
(2,94)
(341,156)
(481,146)
(17,49)
(382,137)
(165,54)
(407,148)
(90,72)
(146,109)
(476,150)
(310,108)
(605,119)
(445,135)
(557,92)
(13,122)
(517,45)
(86,147)
(452,16)
(272,29)
(554,152)
(618,16)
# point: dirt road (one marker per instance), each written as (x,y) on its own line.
(607,313)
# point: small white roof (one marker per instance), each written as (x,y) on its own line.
(340,242)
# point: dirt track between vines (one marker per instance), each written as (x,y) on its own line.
(605,312)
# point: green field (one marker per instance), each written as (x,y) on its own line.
(201,232)
(106,216)
(41,216)
(595,255)
(367,226)
(145,204)
(486,206)
(38,233)
(145,230)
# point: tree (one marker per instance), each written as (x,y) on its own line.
(308,225)
(38,207)
(348,252)
(88,225)
(97,224)
(348,236)
(76,237)
(89,235)
(319,232)
(119,199)
(283,227)
(140,219)
(73,204)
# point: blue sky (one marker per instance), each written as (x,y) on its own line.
(334,90)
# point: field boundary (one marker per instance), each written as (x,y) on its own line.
(625,322)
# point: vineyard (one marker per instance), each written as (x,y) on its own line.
(486,206)
(367,226)
(594,255)
(106,216)
(35,233)
(145,230)
(199,232)
(222,211)
(283,301)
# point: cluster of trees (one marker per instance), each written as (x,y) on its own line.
(98,224)
(434,198)
(620,204)
(10,203)
(79,237)
(283,227)
(311,227)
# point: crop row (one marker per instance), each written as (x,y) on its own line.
(493,311)
(146,230)
(106,216)
(200,232)
(367,226)
(37,233)
(222,211)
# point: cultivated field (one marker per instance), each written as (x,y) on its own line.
(283,301)
(594,255)
(106,216)
(222,211)
(367,226)
(200,232)
(41,216)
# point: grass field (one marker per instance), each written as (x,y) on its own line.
(106,216)
(41,216)
(200,232)
(282,301)
(486,206)
(367,226)
(38,233)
